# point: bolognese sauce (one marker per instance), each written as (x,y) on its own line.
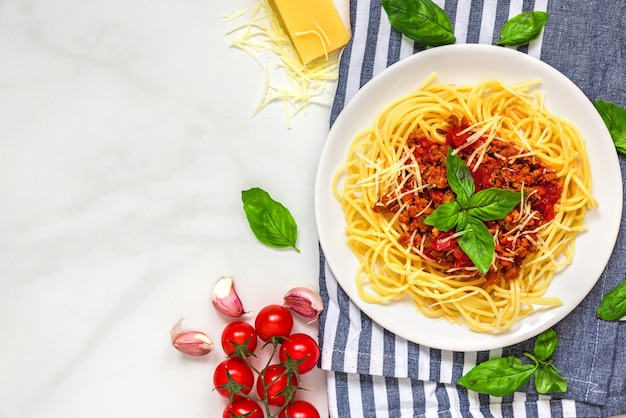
(502,165)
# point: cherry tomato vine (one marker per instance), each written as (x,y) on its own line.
(254,386)
(272,393)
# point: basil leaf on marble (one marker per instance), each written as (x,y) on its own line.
(270,221)
(523,28)
(420,20)
(499,376)
(614,118)
(613,304)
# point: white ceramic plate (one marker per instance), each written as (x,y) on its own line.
(469,64)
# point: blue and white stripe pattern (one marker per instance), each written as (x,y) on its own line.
(377,374)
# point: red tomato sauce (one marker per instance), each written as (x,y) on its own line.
(501,167)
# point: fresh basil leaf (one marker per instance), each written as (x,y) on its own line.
(523,28)
(498,377)
(459,178)
(461,220)
(477,243)
(493,204)
(420,20)
(445,217)
(549,380)
(613,304)
(545,344)
(614,118)
(470,210)
(270,221)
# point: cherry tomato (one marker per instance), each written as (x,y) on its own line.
(240,333)
(276,380)
(243,408)
(300,346)
(239,372)
(273,321)
(299,409)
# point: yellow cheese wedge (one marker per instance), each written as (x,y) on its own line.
(313,26)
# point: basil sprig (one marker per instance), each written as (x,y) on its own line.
(270,221)
(469,212)
(503,376)
(613,304)
(420,20)
(614,118)
(523,28)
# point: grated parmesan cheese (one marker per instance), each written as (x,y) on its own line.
(258,32)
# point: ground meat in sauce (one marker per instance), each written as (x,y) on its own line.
(501,167)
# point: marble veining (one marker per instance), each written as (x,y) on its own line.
(125,142)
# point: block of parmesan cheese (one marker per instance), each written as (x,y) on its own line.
(313,26)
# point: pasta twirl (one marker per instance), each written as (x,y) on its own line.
(501,126)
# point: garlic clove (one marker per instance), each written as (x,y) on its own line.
(225,298)
(193,343)
(305,302)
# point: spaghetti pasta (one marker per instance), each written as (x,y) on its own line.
(385,175)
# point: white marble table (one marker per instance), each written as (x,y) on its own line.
(125,142)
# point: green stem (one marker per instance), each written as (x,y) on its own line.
(261,375)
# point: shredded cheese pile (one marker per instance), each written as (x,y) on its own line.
(257,31)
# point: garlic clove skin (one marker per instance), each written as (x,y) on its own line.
(193,343)
(305,302)
(225,298)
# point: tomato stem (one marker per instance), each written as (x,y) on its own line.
(261,374)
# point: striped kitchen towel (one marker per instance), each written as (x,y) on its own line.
(374,373)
